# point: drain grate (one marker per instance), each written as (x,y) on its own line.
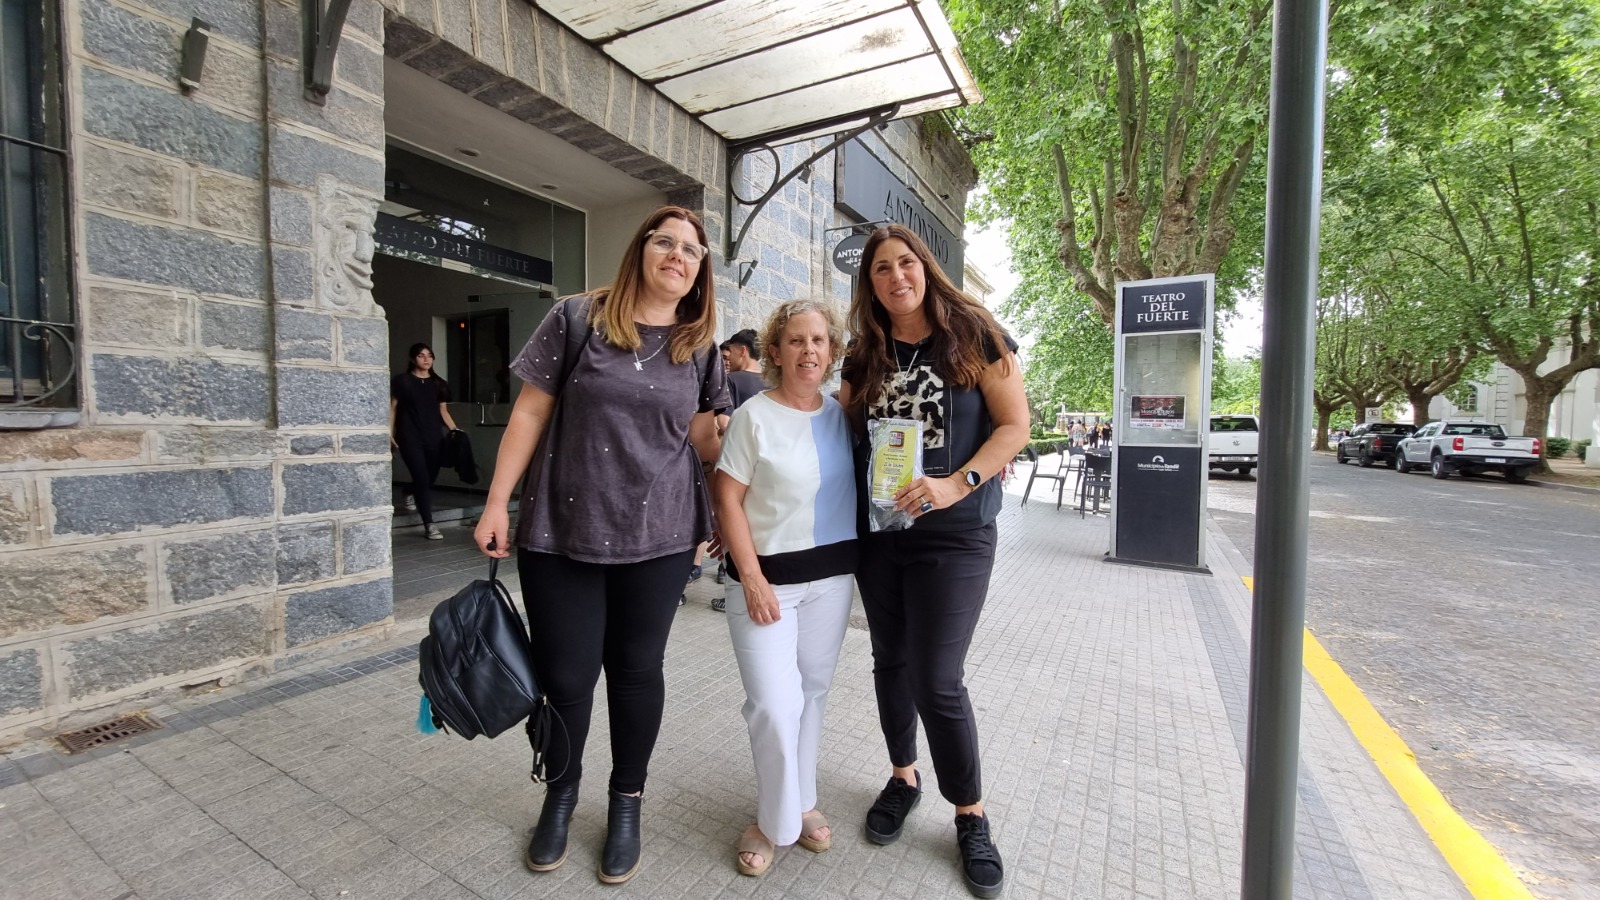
(107,733)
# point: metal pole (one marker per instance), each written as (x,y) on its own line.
(1294,188)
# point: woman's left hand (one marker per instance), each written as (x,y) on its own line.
(940,493)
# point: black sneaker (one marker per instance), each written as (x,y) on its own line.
(683,599)
(980,859)
(696,572)
(722,573)
(719,604)
(888,813)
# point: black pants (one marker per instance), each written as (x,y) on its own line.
(585,617)
(923,591)
(422,460)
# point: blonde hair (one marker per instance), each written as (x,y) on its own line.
(771,372)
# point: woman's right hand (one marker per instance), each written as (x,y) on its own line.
(494,527)
(759,600)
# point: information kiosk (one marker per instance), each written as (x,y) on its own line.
(1163,405)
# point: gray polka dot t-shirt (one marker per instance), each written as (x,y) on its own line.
(614,478)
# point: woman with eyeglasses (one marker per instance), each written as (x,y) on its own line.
(612,426)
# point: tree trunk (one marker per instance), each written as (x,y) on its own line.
(1320,442)
(1420,400)
(1541,392)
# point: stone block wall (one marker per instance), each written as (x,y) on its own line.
(226,500)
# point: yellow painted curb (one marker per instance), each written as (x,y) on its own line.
(1486,875)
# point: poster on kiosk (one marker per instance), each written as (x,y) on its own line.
(1163,407)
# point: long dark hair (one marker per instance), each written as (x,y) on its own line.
(962,329)
(612,310)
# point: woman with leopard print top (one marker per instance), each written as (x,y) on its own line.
(925,350)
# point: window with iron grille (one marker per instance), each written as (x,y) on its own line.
(38,359)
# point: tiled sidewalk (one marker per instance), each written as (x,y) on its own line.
(1111,705)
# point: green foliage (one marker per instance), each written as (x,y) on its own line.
(1581,448)
(1236,385)
(1145,117)
(1557,447)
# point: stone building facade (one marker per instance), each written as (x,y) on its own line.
(223,504)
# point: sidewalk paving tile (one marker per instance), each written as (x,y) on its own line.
(1111,708)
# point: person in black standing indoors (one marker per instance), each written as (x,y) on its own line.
(418,423)
(925,350)
(615,443)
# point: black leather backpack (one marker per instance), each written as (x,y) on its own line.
(476,667)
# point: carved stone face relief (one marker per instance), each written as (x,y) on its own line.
(344,246)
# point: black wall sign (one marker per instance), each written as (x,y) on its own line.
(1176,306)
(399,234)
(1159,478)
(869,192)
(847,255)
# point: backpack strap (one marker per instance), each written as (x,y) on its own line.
(576,311)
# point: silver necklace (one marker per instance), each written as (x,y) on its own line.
(917,351)
(638,364)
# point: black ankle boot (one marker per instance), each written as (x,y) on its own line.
(620,860)
(548,848)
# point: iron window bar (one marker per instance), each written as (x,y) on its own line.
(19,330)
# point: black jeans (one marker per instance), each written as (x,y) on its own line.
(422,461)
(585,617)
(923,591)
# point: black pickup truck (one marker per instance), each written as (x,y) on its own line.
(1373,442)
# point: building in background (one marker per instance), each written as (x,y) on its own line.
(220,233)
(1502,399)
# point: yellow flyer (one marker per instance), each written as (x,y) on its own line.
(896,459)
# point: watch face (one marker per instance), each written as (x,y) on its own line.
(972,478)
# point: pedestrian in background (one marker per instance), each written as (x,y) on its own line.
(612,510)
(741,358)
(925,350)
(419,419)
(786,515)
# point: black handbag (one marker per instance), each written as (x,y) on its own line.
(476,668)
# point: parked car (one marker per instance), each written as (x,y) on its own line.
(1233,444)
(1468,447)
(1372,442)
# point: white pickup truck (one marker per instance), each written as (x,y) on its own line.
(1233,444)
(1468,447)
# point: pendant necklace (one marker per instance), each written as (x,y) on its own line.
(914,354)
(638,364)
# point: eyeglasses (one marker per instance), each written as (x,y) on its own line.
(664,244)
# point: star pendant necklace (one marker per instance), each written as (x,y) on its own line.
(638,364)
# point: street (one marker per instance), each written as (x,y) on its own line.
(1467,611)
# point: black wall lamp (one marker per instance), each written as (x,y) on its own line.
(193,66)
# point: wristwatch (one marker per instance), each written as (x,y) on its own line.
(973,479)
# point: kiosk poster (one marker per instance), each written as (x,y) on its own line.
(1157,411)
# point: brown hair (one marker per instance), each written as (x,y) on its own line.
(962,328)
(612,309)
(771,372)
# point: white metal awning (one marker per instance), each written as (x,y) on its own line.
(768,69)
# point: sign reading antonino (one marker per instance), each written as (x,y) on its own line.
(847,254)
(1172,306)
(868,191)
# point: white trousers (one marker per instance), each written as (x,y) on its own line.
(787,667)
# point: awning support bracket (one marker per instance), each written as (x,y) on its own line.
(321,28)
(740,151)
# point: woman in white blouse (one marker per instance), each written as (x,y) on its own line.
(786,514)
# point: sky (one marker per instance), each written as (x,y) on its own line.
(986,247)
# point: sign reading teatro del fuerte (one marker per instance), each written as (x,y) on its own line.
(868,191)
